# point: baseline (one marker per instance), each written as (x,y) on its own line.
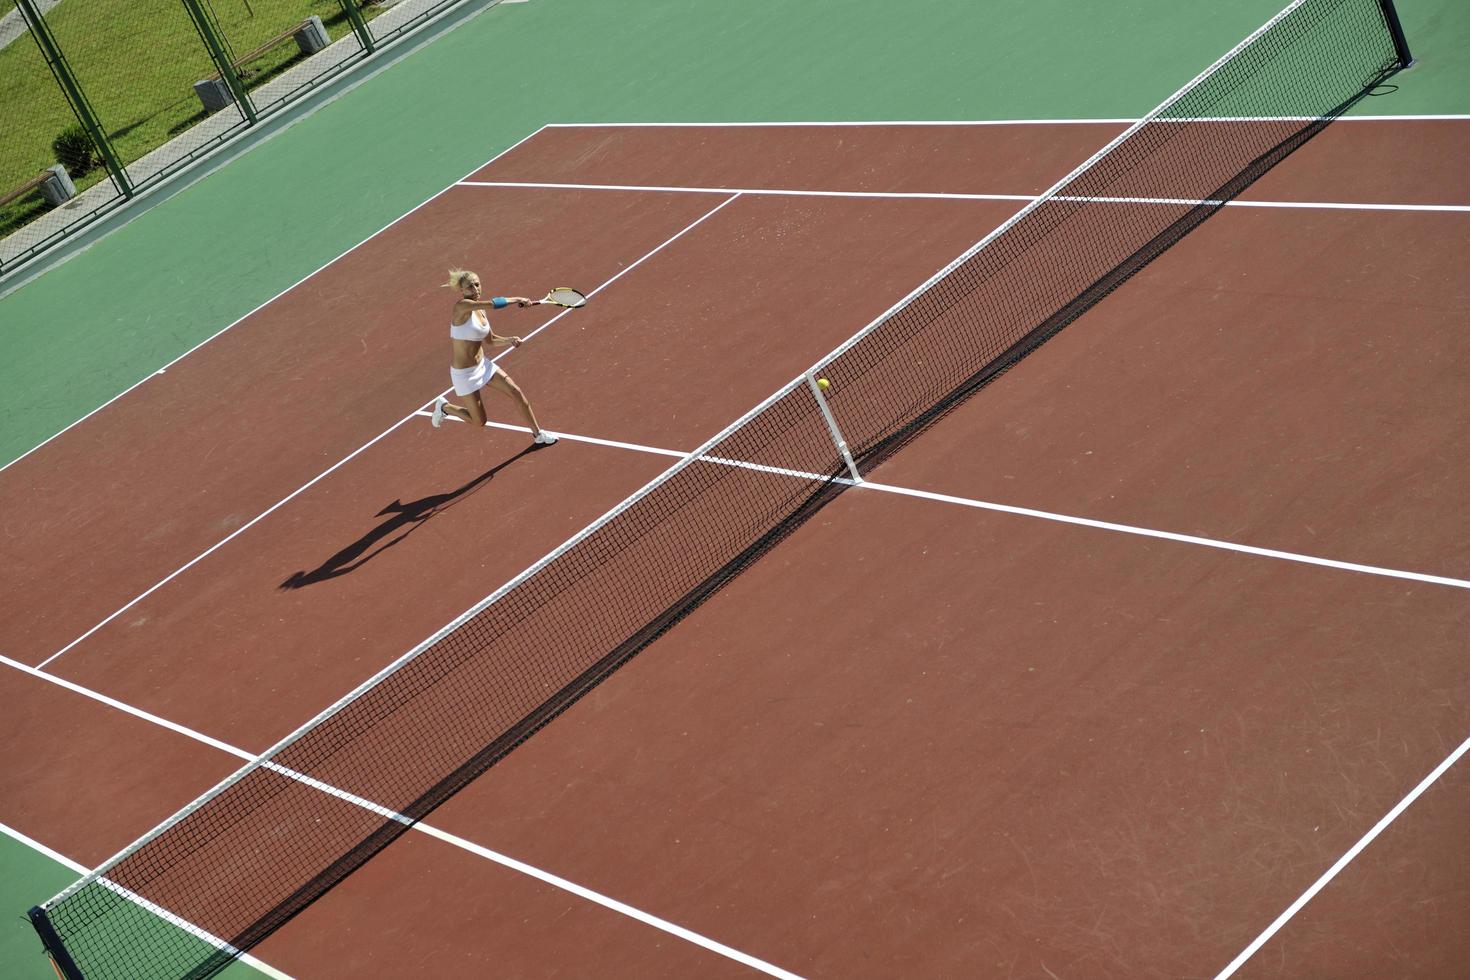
(936,196)
(1091,121)
(1362,162)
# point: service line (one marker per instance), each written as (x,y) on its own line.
(1045,515)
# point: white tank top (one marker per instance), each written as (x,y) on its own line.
(471,328)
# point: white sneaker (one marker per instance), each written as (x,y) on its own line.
(544,438)
(438,416)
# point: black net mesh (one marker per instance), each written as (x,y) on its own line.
(1065,253)
(224,874)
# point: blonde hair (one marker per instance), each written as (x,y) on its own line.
(457,278)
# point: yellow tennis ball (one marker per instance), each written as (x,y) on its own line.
(823,383)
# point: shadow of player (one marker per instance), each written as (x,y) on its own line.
(404,520)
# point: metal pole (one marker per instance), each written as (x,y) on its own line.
(55,948)
(221,59)
(359,26)
(811,380)
(51,51)
(1400,44)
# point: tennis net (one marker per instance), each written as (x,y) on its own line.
(229,869)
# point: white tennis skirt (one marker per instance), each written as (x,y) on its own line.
(469,380)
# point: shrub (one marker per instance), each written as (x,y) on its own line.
(74,150)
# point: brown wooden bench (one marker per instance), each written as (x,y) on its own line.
(256,52)
(23,189)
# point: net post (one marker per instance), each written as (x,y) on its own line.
(811,381)
(1400,43)
(61,960)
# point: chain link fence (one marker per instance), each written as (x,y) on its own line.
(101,99)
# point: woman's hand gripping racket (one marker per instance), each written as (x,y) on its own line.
(564,296)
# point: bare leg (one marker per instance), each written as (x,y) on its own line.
(474,413)
(501,382)
(463,414)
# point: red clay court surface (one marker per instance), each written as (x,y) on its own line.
(919,738)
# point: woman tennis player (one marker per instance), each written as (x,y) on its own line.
(471,370)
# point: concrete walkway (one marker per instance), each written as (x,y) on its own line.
(13,25)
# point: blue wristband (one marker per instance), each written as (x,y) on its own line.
(499,302)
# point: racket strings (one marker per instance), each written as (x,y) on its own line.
(566,296)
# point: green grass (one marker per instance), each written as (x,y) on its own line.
(137,61)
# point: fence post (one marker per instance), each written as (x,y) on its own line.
(221,59)
(74,94)
(359,26)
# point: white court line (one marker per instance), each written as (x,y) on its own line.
(454,840)
(1342,862)
(344,460)
(164,914)
(981,122)
(45,851)
(624,909)
(268,302)
(944,498)
(1243,549)
(884,488)
(938,196)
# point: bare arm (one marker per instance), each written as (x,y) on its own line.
(494,341)
(466,307)
(494,303)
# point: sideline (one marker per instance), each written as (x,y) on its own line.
(942,196)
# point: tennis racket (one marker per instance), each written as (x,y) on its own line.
(564,296)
